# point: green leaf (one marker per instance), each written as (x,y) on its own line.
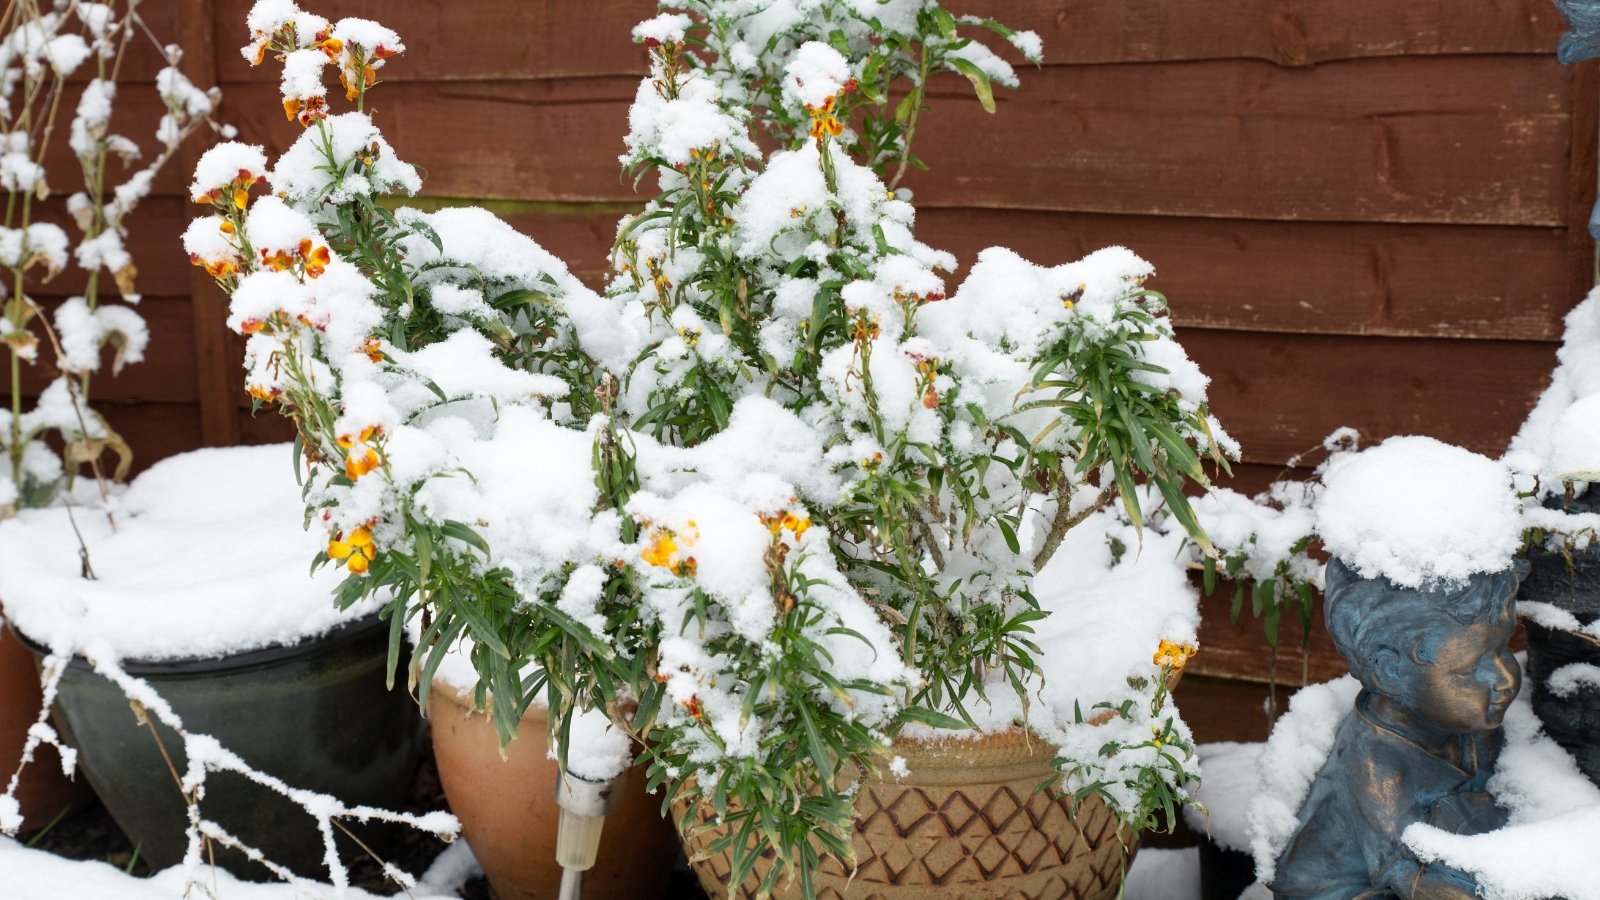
(980,81)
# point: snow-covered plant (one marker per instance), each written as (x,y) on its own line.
(769,499)
(1556,453)
(1264,543)
(42,45)
(895,46)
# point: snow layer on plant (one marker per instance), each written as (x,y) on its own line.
(815,75)
(1121,605)
(1300,743)
(1419,512)
(302,173)
(224,163)
(1229,780)
(40,875)
(670,129)
(1575,441)
(667,28)
(1577,376)
(209,557)
(1264,531)
(600,751)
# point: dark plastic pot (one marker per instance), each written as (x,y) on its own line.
(1572,721)
(1571,583)
(43,792)
(315,714)
(1224,873)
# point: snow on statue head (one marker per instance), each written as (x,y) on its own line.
(1420,603)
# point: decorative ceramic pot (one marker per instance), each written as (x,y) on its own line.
(969,822)
(315,714)
(43,792)
(1571,583)
(508,813)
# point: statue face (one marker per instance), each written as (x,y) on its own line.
(1473,678)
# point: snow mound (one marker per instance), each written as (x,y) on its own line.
(208,557)
(1230,778)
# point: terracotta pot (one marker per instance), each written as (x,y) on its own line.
(43,792)
(508,813)
(969,822)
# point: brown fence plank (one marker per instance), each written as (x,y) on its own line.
(495,39)
(1466,140)
(166,375)
(1280,394)
(1306,277)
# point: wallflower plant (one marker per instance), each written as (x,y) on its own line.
(772,497)
(42,45)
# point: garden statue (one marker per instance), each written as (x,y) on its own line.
(1437,676)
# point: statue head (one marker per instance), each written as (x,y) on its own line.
(1440,654)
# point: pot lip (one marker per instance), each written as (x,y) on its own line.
(340,636)
(1536,628)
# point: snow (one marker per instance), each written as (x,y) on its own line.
(667,28)
(1230,778)
(1300,743)
(37,875)
(1575,442)
(1547,848)
(1419,513)
(209,557)
(815,76)
(1162,874)
(1576,378)
(225,163)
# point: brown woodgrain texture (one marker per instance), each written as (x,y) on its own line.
(563,39)
(1463,140)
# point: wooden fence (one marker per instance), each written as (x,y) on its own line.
(1366,213)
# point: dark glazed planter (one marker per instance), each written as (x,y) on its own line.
(43,792)
(1572,584)
(315,714)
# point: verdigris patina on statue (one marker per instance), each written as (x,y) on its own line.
(1581,43)
(1437,676)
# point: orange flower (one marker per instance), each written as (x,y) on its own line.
(373,349)
(251,326)
(332,46)
(278,260)
(316,258)
(693,708)
(1173,656)
(357,550)
(226,227)
(265,395)
(828,125)
(359,464)
(305,110)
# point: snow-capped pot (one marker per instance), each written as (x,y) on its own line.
(45,46)
(1557,453)
(775,486)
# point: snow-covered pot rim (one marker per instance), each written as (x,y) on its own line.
(338,637)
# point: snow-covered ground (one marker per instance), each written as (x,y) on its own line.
(37,875)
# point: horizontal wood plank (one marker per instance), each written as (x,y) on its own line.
(1305,277)
(494,39)
(165,377)
(1459,140)
(1465,140)
(1279,395)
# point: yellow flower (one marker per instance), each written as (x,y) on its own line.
(1172,656)
(356,550)
(663,552)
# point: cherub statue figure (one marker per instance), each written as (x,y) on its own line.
(1437,676)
